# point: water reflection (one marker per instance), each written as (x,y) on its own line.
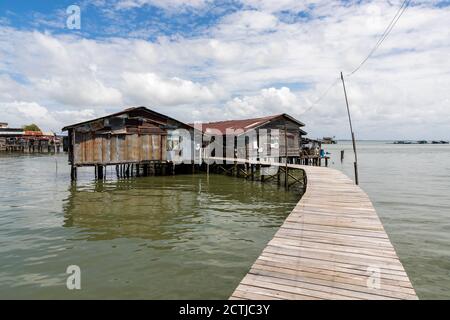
(168,208)
(154,238)
(131,209)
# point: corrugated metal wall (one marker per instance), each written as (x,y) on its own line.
(91,148)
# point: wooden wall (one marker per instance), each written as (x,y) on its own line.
(107,149)
(250,149)
(2,144)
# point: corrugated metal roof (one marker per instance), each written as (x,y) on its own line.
(11,133)
(124,112)
(244,124)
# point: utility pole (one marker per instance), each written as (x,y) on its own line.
(351,130)
(286,174)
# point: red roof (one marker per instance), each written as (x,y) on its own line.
(245,124)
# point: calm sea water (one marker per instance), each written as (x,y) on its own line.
(409,186)
(171,237)
(190,237)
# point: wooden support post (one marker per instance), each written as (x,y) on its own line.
(278,175)
(342,155)
(351,130)
(145,170)
(99,169)
(73,173)
(286,177)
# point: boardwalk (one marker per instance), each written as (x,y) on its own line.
(332,246)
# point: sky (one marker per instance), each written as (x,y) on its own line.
(204,60)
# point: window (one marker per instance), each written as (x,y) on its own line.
(173,143)
(291,141)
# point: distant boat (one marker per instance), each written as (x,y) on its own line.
(422,142)
(328,140)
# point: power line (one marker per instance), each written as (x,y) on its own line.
(321,96)
(383,37)
(385,34)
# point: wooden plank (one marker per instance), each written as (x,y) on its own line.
(150,147)
(113,149)
(332,246)
(317,272)
(351,284)
(106,149)
(156,147)
(97,150)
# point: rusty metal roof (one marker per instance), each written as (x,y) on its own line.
(124,112)
(246,124)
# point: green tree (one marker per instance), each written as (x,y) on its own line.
(31,127)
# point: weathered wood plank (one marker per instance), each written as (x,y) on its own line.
(332,246)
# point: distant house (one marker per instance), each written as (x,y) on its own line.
(16,139)
(260,138)
(3,125)
(140,136)
(132,136)
(328,140)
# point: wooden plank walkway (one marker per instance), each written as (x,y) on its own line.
(332,246)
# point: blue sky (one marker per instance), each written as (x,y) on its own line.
(106,20)
(209,60)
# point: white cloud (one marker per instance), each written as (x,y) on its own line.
(252,62)
(247,23)
(267,102)
(79,91)
(165,4)
(149,88)
(19,113)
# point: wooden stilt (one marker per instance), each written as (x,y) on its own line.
(99,171)
(278,176)
(73,173)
